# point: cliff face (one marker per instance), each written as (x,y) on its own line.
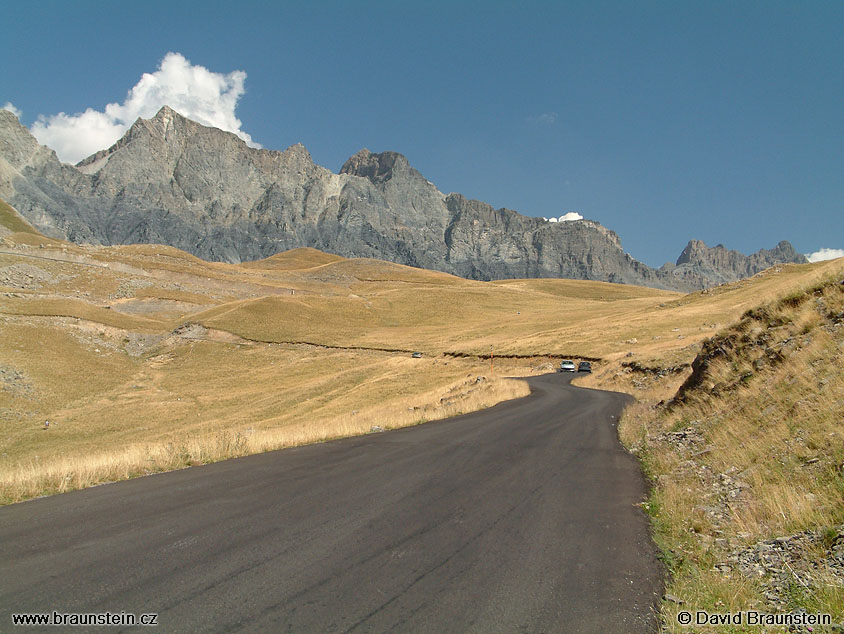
(700,265)
(173,181)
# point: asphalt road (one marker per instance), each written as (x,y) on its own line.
(521,518)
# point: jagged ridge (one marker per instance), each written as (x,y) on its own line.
(701,265)
(171,180)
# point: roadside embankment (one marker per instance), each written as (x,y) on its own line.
(745,451)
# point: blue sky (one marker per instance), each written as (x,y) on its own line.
(664,121)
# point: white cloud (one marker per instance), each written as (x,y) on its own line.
(544,119)
(825,254)
(194,91)
(8,106)
(569,217)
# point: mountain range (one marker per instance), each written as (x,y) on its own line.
(173,181)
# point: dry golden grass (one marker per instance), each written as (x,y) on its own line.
(13,222)
(93,346)
(439,313)
(55,365)
(366,303)
(294,259)
(124,401)
(145,358)
(767,413)
(258,399)
(79,309)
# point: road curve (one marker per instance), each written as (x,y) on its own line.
(520,518)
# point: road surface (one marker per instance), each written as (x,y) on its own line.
(520,518)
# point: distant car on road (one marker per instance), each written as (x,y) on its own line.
(567,366)
(416,355)
(584,366)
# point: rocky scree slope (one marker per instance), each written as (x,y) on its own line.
(172,181)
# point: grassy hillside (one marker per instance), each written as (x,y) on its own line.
(747,458)
(104,344)
(294,259)
(143,357)
(12,222)
(412,309)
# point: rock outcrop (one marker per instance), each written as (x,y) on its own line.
(702,266)
(173,181)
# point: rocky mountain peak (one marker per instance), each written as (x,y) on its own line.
(299,153)
(695,251)
(786,252)
(704,266)
(167,124)
(378,168)
(165,114)
(166,127)
(8,121)
(17,144)
(170,180)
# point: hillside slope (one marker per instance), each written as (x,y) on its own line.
(12,222)
(144,357)
(747,460)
